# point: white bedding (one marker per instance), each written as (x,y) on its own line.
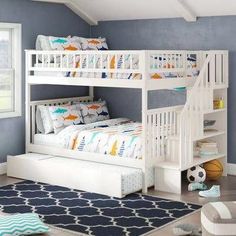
(49,73)
(47,140)
(63,139)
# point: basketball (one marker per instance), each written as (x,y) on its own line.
(214,169)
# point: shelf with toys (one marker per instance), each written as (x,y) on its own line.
(210,151)
(212,134)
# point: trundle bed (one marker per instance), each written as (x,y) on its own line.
(113,172)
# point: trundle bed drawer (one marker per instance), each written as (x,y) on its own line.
(88,176)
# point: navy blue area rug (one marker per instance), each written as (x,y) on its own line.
(90,213)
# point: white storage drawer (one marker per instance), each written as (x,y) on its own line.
(88,176)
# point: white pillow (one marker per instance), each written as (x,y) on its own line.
(46,119)
(63,116)
(39,121)
(42,43)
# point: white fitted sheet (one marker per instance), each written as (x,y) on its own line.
(50,74)
(47,140)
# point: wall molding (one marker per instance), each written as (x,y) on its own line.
(3,168)
(231,168)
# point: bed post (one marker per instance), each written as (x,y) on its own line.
(91,92)
(145,64)
(28,124)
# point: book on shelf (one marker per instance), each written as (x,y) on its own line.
(206,148)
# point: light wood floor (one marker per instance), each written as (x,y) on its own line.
(228,193)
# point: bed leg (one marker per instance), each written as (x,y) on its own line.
(145,189)
(145,185)
(26,149)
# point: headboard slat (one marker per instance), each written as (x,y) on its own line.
(51,102)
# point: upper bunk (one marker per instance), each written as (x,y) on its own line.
(144,69)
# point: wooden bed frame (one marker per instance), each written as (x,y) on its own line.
(168,133)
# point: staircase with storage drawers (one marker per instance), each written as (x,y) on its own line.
(211,84)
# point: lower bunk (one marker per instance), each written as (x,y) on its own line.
(73,143)
(111,180)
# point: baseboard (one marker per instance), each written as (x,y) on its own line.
(231,169)
(3,168)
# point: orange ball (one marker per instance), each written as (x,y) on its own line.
(214,169)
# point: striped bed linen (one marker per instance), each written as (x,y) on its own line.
(219,218)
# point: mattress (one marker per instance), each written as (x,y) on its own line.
(129,76)
(49,74)
(47,140)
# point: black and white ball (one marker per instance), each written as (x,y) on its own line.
(196,174)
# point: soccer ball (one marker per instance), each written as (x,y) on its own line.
(196,174)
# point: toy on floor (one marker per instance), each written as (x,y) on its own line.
(214,191)
(187,229)
(196,186)
(214,169)
(196,174)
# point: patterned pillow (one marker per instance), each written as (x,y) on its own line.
(44,120)
(94,111)
(60,43)
(63,116)
(22,224)
(93,43)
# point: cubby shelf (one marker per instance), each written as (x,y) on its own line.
(196,161)
(209,134)
(215,111)
(202,159)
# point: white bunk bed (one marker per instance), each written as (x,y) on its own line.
(168,133)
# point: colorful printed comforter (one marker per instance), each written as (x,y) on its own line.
(116,137)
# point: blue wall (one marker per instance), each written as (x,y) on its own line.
(206,33)
(36,18)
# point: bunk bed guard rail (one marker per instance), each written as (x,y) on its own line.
(132,65)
